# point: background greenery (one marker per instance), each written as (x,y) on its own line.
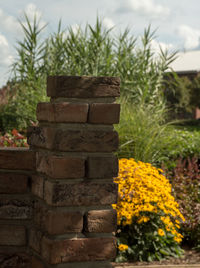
(148,92)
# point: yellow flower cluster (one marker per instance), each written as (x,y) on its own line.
(143,188)
(122,247)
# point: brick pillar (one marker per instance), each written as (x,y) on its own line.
(73,188)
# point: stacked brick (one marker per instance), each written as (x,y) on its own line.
(16,169)
(75,162)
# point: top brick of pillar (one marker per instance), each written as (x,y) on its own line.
(82,87)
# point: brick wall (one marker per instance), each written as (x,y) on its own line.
(67,218)
(16,169)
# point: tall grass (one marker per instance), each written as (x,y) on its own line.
(94,51)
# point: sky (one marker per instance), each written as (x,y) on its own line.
(177,22)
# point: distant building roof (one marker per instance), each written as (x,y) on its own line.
(187,62)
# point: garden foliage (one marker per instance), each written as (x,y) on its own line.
(13,139)
(148,215)
(185,180)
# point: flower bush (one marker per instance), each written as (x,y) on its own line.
(13,139)
(185,180)
(148,215)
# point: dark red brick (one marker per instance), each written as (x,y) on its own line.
(102,167)
(80,194)
(38,186)
(104,113)
(82,86)
(100,221)
(13,183)
(12,235)
(18,209)
(63,112)
(58,222)
(78,250)
(35,238)
(61,167)
(74,140)
(17,159)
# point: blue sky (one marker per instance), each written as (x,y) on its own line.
(177,21)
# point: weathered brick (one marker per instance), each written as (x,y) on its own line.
(80,194)
(35,238)
(38,186)
(73,140)
(82,86)
(78,250)
(12,183)
(100,221)
(102,167)
(15,208)
(58,222)
(61,167)
(14,259)
(104,113)
(12,235)
(62,112)
(37,263)
(17,159)
(42,137)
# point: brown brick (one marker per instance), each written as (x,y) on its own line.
(102,167)
(15,208)
(100,221)
(63,112)
(14,259)
(80,194)
(37,263)
(42,137)
(82,86)
(38,186)
(12,183)
(78,250)
(61,167)
(17,158)
(58,222)
(35,238)
(12,235)
(74,140)
(104,113)
(45,111)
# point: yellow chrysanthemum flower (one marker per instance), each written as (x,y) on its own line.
(122,247)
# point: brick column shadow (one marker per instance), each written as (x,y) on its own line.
(74,189)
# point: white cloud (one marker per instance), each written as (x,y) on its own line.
(32,12)
(190,36)
(108,23)
(156,46)
(5,56)
(144,7)
(8,22)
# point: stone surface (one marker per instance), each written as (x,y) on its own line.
(82,86)
(38,186)
(104,113)
(35,238)
(61,167)
(13,183)
(102,167)
(15,260)
(58,222)
(62,112)
(17,159)
(77,250)
(80,194)
(73,140)
(15,208)
(37,263)
(12,235)
(100,221)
